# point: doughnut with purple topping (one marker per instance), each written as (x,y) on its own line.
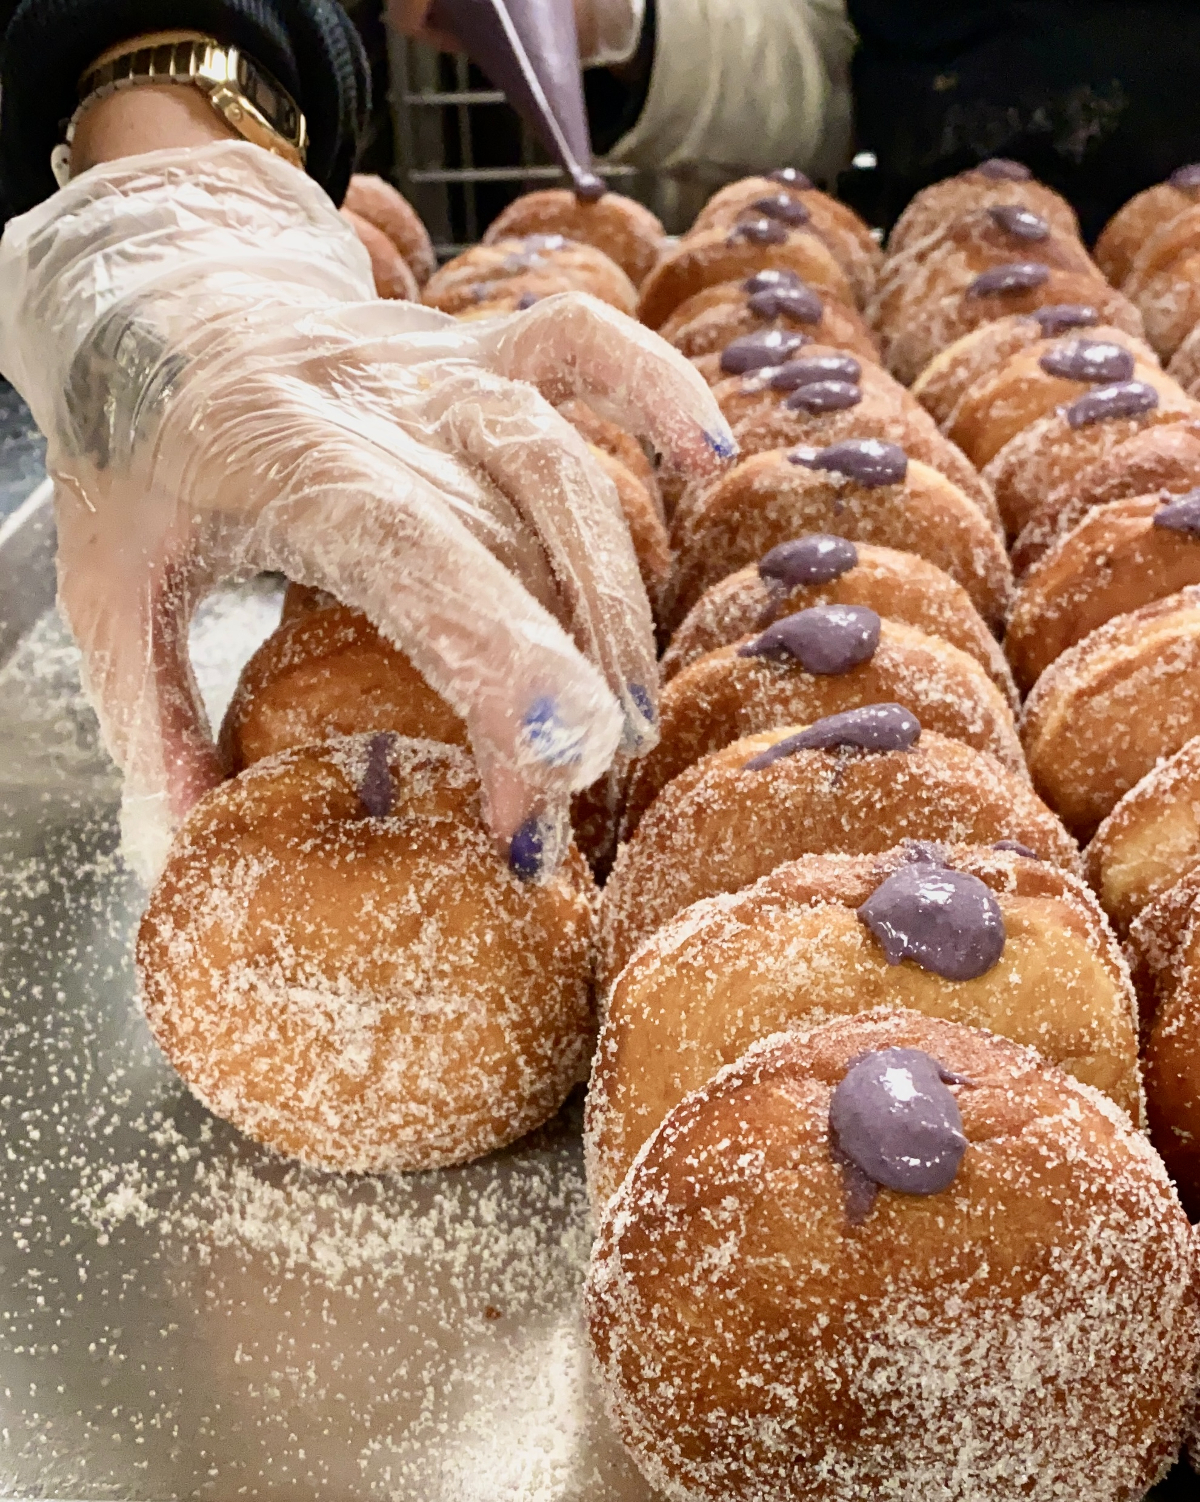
(1136,221)
(621,227)
(933,210)
(494,274)
(709,321)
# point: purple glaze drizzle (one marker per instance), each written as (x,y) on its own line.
(810,369)
(758,350)
(827,640)
(1017,848)
(792,177)
(824,396)
(1186,177)
(759,231)
(801,304)
(816,559)
(1181,514)
(1091,360)
(1057,317)
(893,1117)
(1020,222)
(376,791)
(947,922)
(1125,399)
(869,462)
(1018,276)
(1003,169)
(782,206)
(873,727)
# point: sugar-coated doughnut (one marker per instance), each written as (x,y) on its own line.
(1150,840)
(303,599)
(794,949)
(931,211)
(1134,222)
(1002,292)
(337,960)
(614,440)
(807,666)
(391,273)
(827,412)
(741,393)
(896,1257)
(1162,458)
(1053,450)
(328,673)
(1164,944)
(1113,705)
(793,203)
(1037,381)
(818,569)
(733,255)
(1120,557)
(864,489)
(709,321)
(621,227)
(1162,281)
(548,260)
(951,374)
(993,235)
(647,531)
(1185,363)
(371,198)
(741,811)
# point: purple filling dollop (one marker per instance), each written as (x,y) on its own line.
(376,791)
(810,369)
(1021,223)
(1186,177)
(1125,399)
(1088,360)
(873,727)
(791,177)
(816,559)
(1058,317)
(947,922)
(1181,514)
(824,396)
(758,350)
(783,207)
(1002,169)
(759,231)
(869,462)
(894,1119)
(1019,276)
(827,639)
(800,304)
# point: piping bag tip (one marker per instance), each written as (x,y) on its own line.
(530,50)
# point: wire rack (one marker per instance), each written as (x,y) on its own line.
(463,153)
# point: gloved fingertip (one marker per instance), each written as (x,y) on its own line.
(724,445)
(538,846)
(553,742)
(641,720)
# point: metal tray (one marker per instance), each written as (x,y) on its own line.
(182,1314)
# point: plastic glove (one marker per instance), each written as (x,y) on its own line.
(197,336)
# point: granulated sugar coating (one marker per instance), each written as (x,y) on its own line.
(1028,1334)
(183,1314)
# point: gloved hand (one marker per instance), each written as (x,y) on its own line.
(608,29)
(197,335)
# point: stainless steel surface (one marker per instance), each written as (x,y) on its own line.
(183,1314)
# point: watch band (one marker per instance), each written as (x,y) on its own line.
(244,94)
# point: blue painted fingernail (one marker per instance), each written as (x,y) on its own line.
(640,695)
(552,742)
(724,448)
(527,850)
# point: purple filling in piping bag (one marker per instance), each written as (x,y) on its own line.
(530,50)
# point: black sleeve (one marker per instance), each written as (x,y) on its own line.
(616,97)
(1100,98)
(310,46)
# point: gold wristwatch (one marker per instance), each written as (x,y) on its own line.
(242,93)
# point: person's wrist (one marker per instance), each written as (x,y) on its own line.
(150,118)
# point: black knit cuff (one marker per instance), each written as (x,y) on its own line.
(310,46)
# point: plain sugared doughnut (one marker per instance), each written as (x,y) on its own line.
(622,228)
(391,273)
(329,673)
(896,1258)
(792,951)
(931,211)
(337,960)
(1150,840)
(1112,706)
(613,440)
(740,812)
(864,489)
(708,322)
(807,666)
(371,198)
(817,569)
(642,515)
(550,262)
(1119,558)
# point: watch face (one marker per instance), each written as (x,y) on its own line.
(269,101)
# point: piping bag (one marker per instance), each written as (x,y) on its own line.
(530,50)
